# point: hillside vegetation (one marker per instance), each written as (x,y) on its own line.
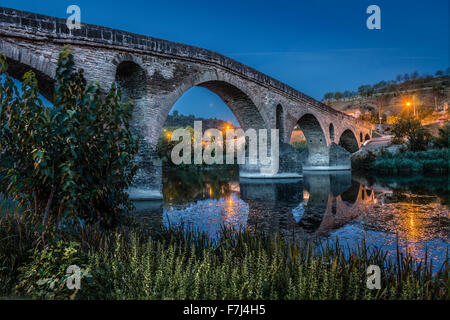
(426,94)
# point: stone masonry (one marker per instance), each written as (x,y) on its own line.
(155,73)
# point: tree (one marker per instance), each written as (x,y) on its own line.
(439,73)
(347,94)
(338,95)
(442,140)
(328,96)
(365,90)
(438,90)
(382,100)
(70,161)
(409,129)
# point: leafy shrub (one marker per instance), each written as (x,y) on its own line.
(70,160)
(435,160)
(437,165)
(410,129)
(45,277)
(442,140)
(407,165)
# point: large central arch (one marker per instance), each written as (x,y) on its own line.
(153,103)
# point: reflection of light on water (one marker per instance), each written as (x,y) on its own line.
(352,234)
(298,212)
(305,197)
(412,224)
(377,213)
(209,215)
(230,213)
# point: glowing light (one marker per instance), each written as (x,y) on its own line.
(168,135)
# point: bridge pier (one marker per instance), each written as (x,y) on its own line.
(334,158)
(289,165)
(147,184)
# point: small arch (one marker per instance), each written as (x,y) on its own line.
(21,60)
(360,137)
(331,128)
(132,79)
(280,121)
(367,137)
(46,84)
(348,141)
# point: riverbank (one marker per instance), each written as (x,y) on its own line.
(430,161)
(386,158)
(133,262)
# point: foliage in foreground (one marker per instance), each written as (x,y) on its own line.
(70,160)
(435,160)
(179,264)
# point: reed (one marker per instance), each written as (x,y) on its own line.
(180,263)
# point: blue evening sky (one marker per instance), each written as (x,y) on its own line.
(314,46)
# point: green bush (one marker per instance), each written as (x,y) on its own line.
(438,165)
(72,160)
(435,160)
(408,165)
(45,276)
(418,137)
(443,138)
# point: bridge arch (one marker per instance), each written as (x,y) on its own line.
(21,60)
(348,141)
(315,139)
(238,99)
(132,79)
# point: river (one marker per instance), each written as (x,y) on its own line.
(384,210)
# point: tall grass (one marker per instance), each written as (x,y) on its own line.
(178,263)
(17,237)
(249,266)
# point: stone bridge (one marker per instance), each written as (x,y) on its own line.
(155,73)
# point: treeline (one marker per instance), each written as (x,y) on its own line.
(402,83)
(180,120)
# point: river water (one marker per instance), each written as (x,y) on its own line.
(411,211)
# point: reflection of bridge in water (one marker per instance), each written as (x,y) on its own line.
(315,204)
